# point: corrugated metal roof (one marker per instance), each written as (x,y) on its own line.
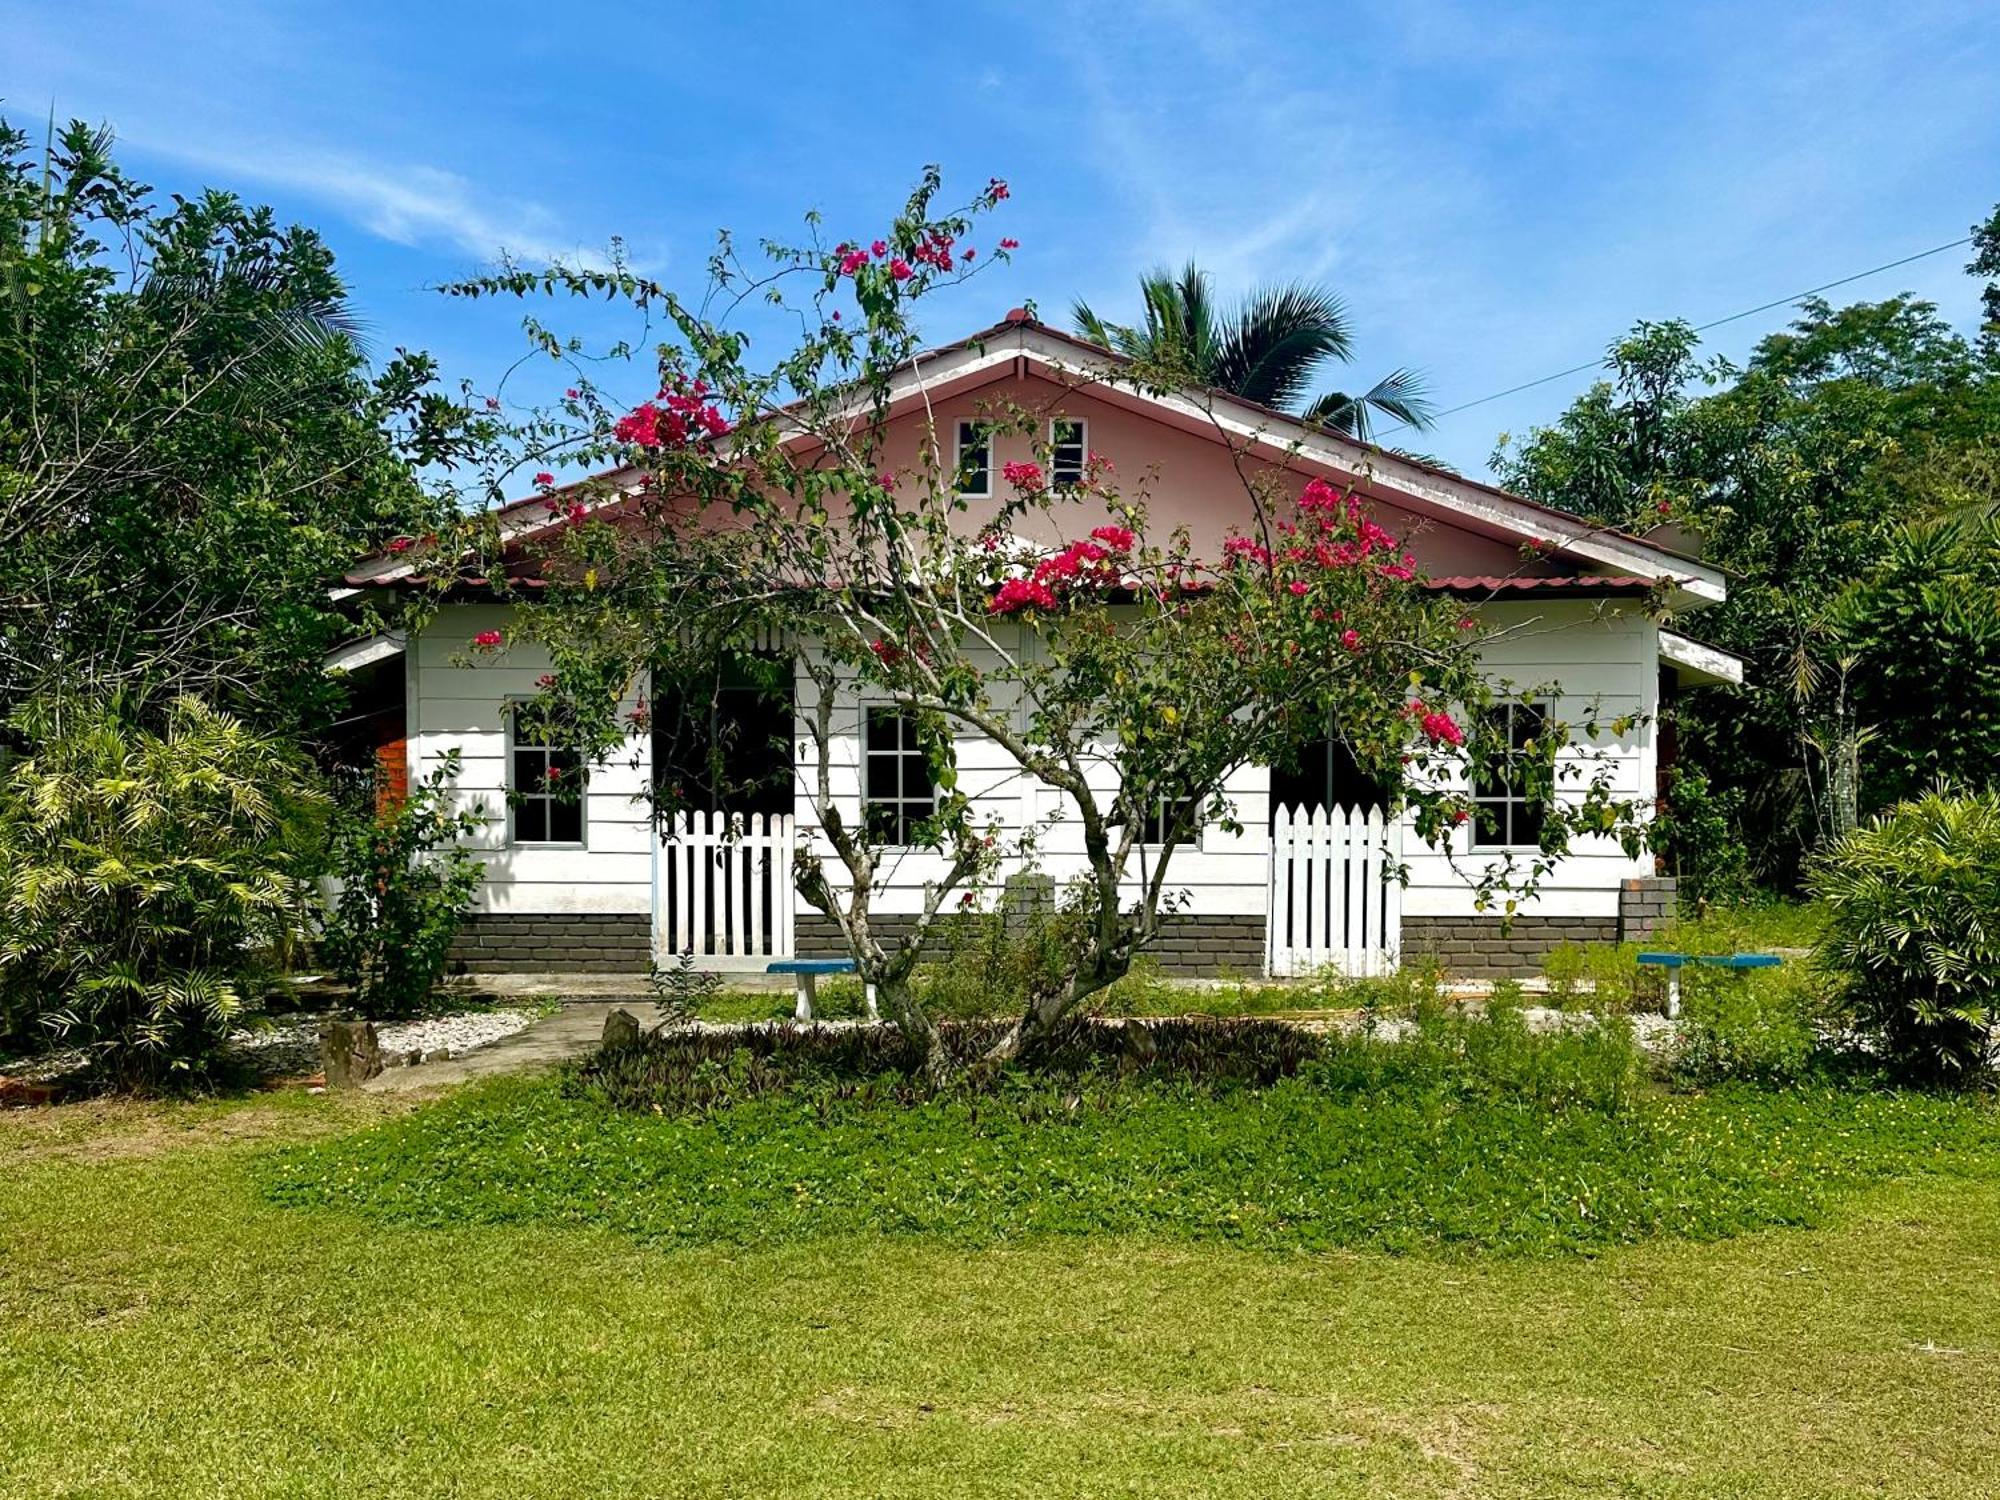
(1479,583)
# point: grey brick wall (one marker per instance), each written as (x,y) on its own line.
(1477,948)
(510,943)
(1188,945)
(1645,906)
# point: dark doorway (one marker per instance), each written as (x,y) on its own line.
(725,744)
(1325,775)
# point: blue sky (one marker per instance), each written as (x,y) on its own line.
(1497,192)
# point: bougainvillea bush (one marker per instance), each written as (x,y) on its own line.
(1108,658)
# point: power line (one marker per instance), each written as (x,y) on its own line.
(1748,312)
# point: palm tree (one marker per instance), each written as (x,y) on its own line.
(1267,350)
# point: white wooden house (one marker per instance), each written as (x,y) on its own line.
(592,884)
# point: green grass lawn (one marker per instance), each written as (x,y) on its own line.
(516,1292)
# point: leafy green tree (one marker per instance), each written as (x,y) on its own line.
(1270,349)
(191,445)
(1796,470)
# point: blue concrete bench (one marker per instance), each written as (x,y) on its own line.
(1673,963)
(806,972)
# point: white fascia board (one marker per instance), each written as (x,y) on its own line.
(365,652)
(1700,665)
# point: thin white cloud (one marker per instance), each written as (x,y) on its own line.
(411,204)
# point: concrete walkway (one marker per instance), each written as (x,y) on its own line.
(573,1031)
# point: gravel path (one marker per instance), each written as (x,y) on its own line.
(289,1045)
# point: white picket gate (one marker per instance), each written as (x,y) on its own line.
(722,890)
(1334,902)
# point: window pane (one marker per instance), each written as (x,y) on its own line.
(531,821)
(973,463)
(882,784)
(1066,450)
(1489,823)
(884,729)
(566,822)
(1528,822)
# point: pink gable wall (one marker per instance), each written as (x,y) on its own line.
(1188,478)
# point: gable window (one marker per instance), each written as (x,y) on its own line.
(897,789)
(1504,814)
(973,463)
(1069,450)
(544,784)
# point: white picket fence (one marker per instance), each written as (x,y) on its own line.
(1334,904)
(722,889)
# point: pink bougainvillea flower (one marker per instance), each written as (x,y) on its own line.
(879,249)
(853,261)
(577,513)
(554,773)
(545,479)
(1298,586)
(886,652)
(968,253)
(1467,623)
(900,269)
(571,393)
(1351,639)
(1117,538)
(641,426)
(1010,244)
(1023,476)
(492,403)
(996,189)
(1440,728)
(546,680)
(401,544)
(487,639)
(836,315)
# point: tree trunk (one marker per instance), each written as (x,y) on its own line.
(1843,772)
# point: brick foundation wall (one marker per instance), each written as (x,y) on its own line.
(1645,906)
(1191,946)
(1476,948)
(509,943)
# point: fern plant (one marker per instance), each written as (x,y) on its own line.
(151,884)
(1913,930)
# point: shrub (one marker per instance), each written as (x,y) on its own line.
(1700,832)
(1913,930)
(152,884)
(1760,1025)
(405,882)
(1601,977)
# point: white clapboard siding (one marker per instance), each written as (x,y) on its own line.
(1334,902)
(722,890)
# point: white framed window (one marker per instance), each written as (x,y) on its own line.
(972,461)
(897,792)
(1069,449)
(1505,815)
(544,785)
